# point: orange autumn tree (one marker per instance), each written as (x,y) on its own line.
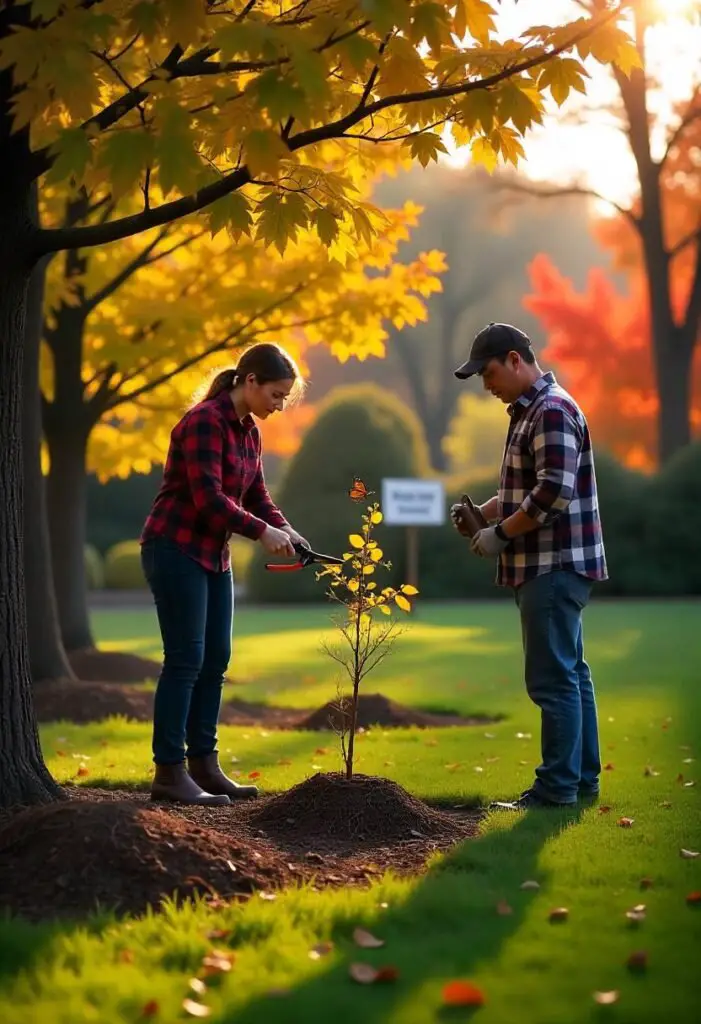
(601,340)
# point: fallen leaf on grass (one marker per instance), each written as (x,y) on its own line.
(217,962)
(285,760)
(254,775)
(150,1009)
(83,770)
(503,908)
(650,771)
(608,767)
(268,896)
(321,949)
(559,914)
(366,940)
(606,998)
(452,767)
(604,809)
(666,804)
(219,934)
(646,883)
(431,743)
(523,735)
(492,760)
(679,778)
(321,750)
(689,784)
(278,993)
(126,956)
(688,760)
(625,822)
(366,974)
(636,915)
(530,884)
(688,854)
(195,1009)
(198,986)
(462,993)
(637,961)
(694,899)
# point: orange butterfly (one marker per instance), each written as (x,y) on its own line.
(358,492)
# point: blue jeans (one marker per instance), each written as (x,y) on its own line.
(559,682)
(195,613)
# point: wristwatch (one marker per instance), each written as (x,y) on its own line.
(499,531)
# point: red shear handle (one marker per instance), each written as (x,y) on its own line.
(283,566)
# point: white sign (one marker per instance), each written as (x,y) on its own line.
(413,502)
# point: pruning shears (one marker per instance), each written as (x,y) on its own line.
(305,557)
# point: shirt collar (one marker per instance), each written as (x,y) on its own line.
(546,381)
(223,400)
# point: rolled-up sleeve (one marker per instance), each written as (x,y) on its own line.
(555,446)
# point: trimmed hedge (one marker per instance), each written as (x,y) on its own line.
(123,567)
(94,568)
(361,430)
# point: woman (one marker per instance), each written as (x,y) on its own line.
(213,486)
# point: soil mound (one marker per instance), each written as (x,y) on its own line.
(375,709)
(113,666)
(367,808)
(59,701)
(68,858)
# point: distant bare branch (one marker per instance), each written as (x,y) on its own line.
(554,191)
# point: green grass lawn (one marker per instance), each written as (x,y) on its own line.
(444,926)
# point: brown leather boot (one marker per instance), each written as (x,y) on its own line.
(207,773)
(172,782)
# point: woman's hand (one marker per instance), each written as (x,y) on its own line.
(297,538)
(277,542)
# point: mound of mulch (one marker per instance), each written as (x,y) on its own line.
(81,702)
(112,666)
(329,807)
(72,857)
(118,849)
(376,710)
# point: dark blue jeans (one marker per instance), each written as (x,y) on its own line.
(195,612)
(558,681)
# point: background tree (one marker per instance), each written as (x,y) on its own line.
(205,106)
(132,330)
(662,231)
(601,342)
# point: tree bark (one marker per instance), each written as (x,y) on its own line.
(24,777)
(66,495)
(47,657)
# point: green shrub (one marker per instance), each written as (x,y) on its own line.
(360,430)
(623,499)
(94,568)
(123,567)
(673,512)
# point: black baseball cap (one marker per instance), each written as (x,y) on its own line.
(493,340)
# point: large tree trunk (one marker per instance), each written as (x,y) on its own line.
(673,365)
(67,501)
(24,777)
(47,656)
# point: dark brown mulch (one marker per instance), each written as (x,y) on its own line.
(82,702)
(113,666)
(68,858)
(118,848)
(375,709)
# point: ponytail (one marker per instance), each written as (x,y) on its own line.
(223,381)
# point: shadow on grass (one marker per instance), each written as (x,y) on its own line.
(444,930)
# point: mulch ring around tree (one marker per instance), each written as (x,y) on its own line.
(91,702)
(117,849)
(113,666)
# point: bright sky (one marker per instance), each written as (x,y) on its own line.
(596,154)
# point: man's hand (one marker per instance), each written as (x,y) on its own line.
(487,544)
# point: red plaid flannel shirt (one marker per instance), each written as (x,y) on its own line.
(213,485)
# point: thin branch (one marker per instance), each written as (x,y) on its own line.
(548,192)
(130,268)
(693,236)
(693,113)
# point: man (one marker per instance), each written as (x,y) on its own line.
(546,534)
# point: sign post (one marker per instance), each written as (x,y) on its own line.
(413,503)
